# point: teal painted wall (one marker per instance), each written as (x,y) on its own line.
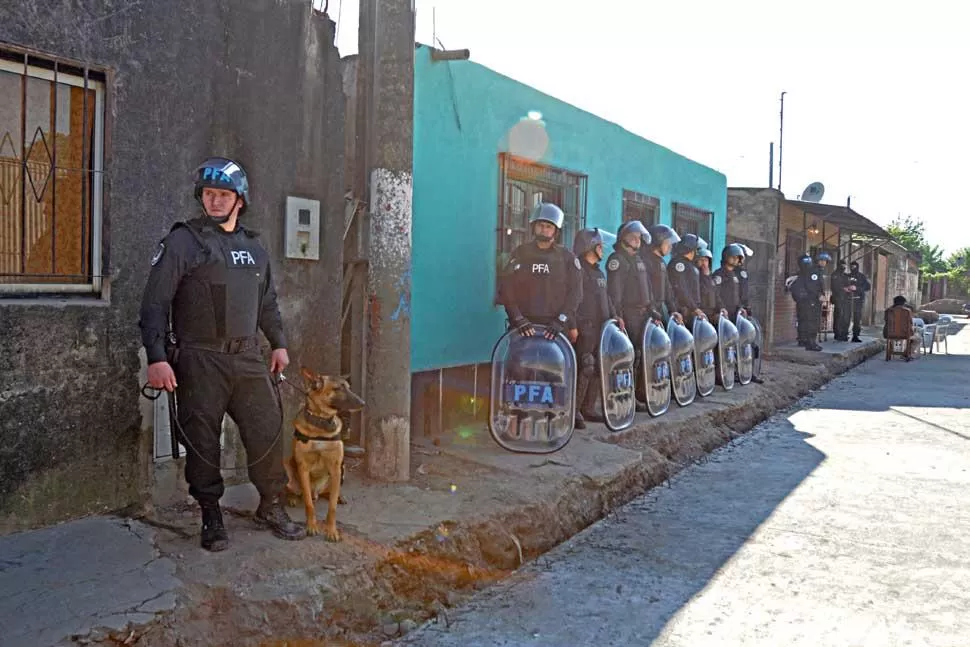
(456,179)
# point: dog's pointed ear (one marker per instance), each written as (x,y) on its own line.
(345,377)
(307,374)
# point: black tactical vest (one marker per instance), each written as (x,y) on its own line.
(221,296)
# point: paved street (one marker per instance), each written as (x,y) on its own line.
(844,523)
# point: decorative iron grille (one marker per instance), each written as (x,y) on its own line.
(637,206)
(522,185)
(51,139)
(691,220)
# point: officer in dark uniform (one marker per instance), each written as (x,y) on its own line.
(685,278)
(741,271)
(859,286)
(822,260)
(726,280)
(213,276)
(595,309)
(806,291)
(841,302)
(543,282)
(710,296)
(629,289)
(662,240)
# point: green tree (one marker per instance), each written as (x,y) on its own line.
(960,260)
(911,234)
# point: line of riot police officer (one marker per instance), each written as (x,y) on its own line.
(566,291)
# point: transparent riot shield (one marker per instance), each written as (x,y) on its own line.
(705,343)
(759,345)
(533,399)
(747,336)
(616,354)
(683,381)
(656,368)
(727,352)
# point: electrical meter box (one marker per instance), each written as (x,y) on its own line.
(302,228)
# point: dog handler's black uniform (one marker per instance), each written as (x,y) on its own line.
(219,288)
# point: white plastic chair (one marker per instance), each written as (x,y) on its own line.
(927,331)
(941,333)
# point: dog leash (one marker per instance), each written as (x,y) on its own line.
(184,437)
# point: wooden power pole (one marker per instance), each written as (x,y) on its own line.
(385,127)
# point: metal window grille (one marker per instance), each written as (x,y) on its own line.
(522,185)
(637,206)
(794,248)
(51,165)
(691,220)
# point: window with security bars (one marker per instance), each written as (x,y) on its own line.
(523,184)
(637,206)
(794,248)
(51,156)
(690,220)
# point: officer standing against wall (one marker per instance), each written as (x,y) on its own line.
(543,281)
(741,271)
(726,280)
(841,302)
(710,297)
(214,277)
(859,286)
(629,289)
(662,240)
(685,278)
(806,291)
(595,309)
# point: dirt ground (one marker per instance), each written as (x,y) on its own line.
(471,514)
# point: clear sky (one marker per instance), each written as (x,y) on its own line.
(877,103)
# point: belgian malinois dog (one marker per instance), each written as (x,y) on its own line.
(315,467)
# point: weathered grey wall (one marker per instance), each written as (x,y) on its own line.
(258,81)
(752,218)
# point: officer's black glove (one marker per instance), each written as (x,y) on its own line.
(523,326)
(555,328)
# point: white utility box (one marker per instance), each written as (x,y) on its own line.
(302,228)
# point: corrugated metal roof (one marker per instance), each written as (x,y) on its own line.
(844,217)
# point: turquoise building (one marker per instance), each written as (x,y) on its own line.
(486,148)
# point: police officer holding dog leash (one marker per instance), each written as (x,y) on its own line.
(212,276)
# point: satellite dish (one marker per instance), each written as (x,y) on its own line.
(813,192)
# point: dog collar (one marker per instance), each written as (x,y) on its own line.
(326,424)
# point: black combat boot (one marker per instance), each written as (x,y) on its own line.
(579,422)
(271,514)
(582,384)
(214,535)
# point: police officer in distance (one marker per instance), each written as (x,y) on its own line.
(727,283)
(685,278)
(806,291)
(662,240)
(859,286)
(214,277)
(822,260)
(543,282)
(841,302)
(594,310)
(629,289)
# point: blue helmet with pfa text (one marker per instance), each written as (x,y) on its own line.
(222,173)
(824,256)
(804,261)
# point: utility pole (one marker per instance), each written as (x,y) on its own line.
(385,127)
(781,137)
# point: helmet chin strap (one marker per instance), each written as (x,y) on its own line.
(219,220)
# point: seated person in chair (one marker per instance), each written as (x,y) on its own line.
(899,326)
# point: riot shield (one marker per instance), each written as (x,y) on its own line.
(759,345)
(705,341)
(747,335)
(727,352)
(682,379)
(616,354)
(656,368)
(533,398)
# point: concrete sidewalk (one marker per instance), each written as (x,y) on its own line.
(471,514)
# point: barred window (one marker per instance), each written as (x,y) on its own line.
(522,185)
(690,220)
(51,157)
(637,206)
